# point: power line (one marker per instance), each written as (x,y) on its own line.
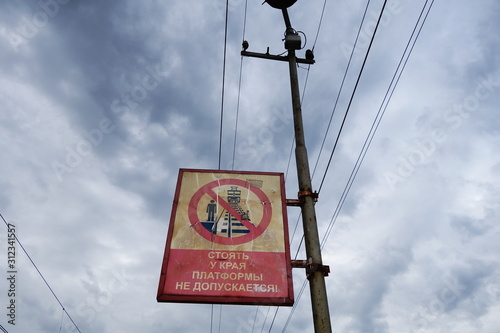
(387,97)
(334,107)
(274,318)
(41,275)
(62,320)
(264,323)
(341,88)
(223,83)
(221,118)
(220,318)
(336,102)
(352,95)
(319,25)
(374,127)
(211,318)
(304,284)
(255,318)
(239,88)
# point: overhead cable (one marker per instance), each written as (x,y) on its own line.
(41,275)
(239,89)
(352,95)
(383,107)
(340,89)
(221,119)
(223,83)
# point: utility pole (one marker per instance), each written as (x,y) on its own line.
(315,269)
(319,300)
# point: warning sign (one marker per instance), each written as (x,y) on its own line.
(227,240)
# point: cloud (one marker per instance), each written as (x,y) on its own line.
(102,103)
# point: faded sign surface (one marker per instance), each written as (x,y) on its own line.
(228,240)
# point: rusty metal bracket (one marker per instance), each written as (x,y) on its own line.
(311,267)
(303,194)
(300,200)
(325,269)
(293,202)
(299,263)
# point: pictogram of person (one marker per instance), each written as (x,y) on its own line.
(211,210)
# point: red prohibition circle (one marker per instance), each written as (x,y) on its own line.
(255,230)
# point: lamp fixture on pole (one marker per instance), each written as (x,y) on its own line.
(280,4)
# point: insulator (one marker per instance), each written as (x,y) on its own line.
(309,55)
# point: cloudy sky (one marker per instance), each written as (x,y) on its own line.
(103,101)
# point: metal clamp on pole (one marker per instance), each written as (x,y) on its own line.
(303,194)
(311,267)
(325,269)
(300,200)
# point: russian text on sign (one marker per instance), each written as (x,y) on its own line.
(225,276)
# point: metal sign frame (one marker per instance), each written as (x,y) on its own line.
(227,241)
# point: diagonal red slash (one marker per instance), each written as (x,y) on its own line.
(230,209)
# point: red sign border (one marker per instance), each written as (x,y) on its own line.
(238,300)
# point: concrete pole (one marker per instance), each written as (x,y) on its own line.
(319,300)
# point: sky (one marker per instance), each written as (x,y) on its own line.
(102,102)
